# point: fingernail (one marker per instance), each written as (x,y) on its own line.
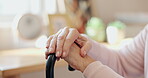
(58,59)
(46,51)
(46,46)
(50,49)
(57,54)
(64,54)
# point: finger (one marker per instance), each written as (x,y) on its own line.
(82,38)
(48,41)
(53,41)
(60,41)
(71,37)
(46,53)
(81,41)
(84,43)
(58,59)
(85,48)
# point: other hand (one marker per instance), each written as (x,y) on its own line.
(75,60)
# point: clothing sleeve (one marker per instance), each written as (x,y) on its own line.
(127,62)
(101,71)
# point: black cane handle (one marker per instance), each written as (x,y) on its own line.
(50,65)
(70,68)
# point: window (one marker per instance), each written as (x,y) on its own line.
(10,8)
(50,6)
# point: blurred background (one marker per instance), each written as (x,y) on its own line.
(27,23)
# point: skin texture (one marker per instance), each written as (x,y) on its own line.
(75,60)
(61,42)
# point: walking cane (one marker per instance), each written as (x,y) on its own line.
(50,66)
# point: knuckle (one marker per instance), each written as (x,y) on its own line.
(52,46)
(55,37)
(60,37)
(73,29)
(66,27)
(50,36)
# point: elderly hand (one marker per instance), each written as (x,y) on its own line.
(75,60)
(61,42)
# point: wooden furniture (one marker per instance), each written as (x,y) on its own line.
(19,61)
(0,73)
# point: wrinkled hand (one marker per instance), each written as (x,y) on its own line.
(61,42)
(75,60)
